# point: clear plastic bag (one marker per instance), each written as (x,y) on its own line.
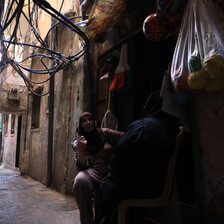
(198,60)
(109,121)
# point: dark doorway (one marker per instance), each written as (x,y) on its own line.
(148,61)
(18,140)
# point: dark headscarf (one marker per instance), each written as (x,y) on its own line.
(80,128)
(94,138)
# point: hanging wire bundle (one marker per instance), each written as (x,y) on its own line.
(10,33)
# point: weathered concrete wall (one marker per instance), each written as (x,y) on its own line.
(71,97)
(12,102)
(71,94)
(37,157)
(209,157)
(69,105)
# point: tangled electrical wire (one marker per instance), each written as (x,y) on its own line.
(51,60)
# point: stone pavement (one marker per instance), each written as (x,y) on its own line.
(26,201)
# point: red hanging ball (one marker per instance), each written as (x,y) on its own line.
(155,27)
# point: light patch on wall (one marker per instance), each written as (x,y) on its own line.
(12,124)
(14,78)
(6,118)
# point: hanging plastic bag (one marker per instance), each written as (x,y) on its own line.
(169,106)
(198,60)
(109,121)
(104,15)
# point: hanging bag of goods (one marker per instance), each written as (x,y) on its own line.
(165,22)
(198,60)
(103,15)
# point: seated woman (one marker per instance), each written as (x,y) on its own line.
(93,150)
(139,163)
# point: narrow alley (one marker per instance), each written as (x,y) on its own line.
(26,201)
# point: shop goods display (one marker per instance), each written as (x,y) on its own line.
(198,58)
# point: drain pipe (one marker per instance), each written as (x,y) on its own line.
(50,132)
(51,117)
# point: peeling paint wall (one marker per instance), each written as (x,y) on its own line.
(70,100)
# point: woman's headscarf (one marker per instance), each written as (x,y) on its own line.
(80,128)
(94,138)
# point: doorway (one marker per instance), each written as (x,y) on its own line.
(18,141)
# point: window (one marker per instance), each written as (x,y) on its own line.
(36,110)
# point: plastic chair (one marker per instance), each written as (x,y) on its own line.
(169,197)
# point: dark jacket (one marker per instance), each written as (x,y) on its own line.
(140,160)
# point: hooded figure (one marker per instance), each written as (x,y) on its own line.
(138,166)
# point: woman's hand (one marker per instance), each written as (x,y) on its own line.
(81,146)
(81,143)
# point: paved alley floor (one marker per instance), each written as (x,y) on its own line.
(26,201)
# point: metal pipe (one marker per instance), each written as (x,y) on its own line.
(50,132)
(51,119)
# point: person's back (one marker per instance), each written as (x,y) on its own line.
(142,154)
(139,163)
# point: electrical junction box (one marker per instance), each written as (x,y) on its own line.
(14,94)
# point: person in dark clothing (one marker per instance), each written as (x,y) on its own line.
(139,162)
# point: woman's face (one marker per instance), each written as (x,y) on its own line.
(87,124)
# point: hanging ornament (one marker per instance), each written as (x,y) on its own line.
(155,27)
